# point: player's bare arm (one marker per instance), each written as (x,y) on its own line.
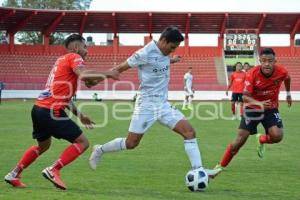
(248,100)
(84,119)
(122,67)
(175,59)
(287,84)
(92,77)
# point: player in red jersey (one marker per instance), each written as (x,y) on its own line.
(261,93)
(49,118)
(237,83)
(246,67)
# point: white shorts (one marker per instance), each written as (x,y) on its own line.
(145,115)
(189,92)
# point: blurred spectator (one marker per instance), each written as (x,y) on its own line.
(246,67)
(3,39)
(89,41)
(2,85)
(95,97)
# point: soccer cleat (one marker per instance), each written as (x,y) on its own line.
(53,175)
(95,156)
(260,147)
(184,108)
(212,173)
(14,181)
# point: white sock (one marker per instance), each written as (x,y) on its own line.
(190,101)
(117,144)
(192,151)
(184,103)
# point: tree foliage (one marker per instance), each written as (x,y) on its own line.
(36,37)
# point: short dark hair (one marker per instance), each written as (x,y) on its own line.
(73,37)
(238,63)
(172,34)
(267,51)
(246,63)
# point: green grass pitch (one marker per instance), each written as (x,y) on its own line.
(156,168)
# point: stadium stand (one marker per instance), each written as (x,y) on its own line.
(26,67)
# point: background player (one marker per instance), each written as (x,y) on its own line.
(188,88)
(237,83)
(246,67)
(49,118)
(261,93)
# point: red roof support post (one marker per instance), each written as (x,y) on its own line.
(11,42)
(292,36)
(49,29)
(116,38)
(147,39)
(22,23)
(13,30)
(222,32)
(186,32)
(83,22)
(46,43)
(258,31)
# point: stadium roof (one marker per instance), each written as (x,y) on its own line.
(48,21)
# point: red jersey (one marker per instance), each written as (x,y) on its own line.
(262,88)
(62,82)
(237,80)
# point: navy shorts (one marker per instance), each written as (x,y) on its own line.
(237,97)
(60,127)
(268,118)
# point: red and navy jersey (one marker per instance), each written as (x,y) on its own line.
(238,79)
(62,82)
(263,88)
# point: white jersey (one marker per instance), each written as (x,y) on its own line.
(188,79)
(154,72)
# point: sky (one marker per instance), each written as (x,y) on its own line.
(198,5)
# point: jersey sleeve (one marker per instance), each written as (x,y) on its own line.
(138,58)
(75,61)
(185,76)
(248,88)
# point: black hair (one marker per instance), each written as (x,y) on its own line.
(73,37)
(238,63)
(267,51)
(246,63)
(172,34)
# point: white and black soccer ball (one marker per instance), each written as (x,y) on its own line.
(197,180)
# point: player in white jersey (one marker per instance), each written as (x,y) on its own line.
(153,64)
(188,88)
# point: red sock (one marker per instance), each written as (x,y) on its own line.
(28,157)
(265,139)
(69,154)
(242,109)
(233,108)
(228,155)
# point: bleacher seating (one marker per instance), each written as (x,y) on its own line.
(30,71)
(293,66)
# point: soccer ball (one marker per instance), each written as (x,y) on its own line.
(196,180)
